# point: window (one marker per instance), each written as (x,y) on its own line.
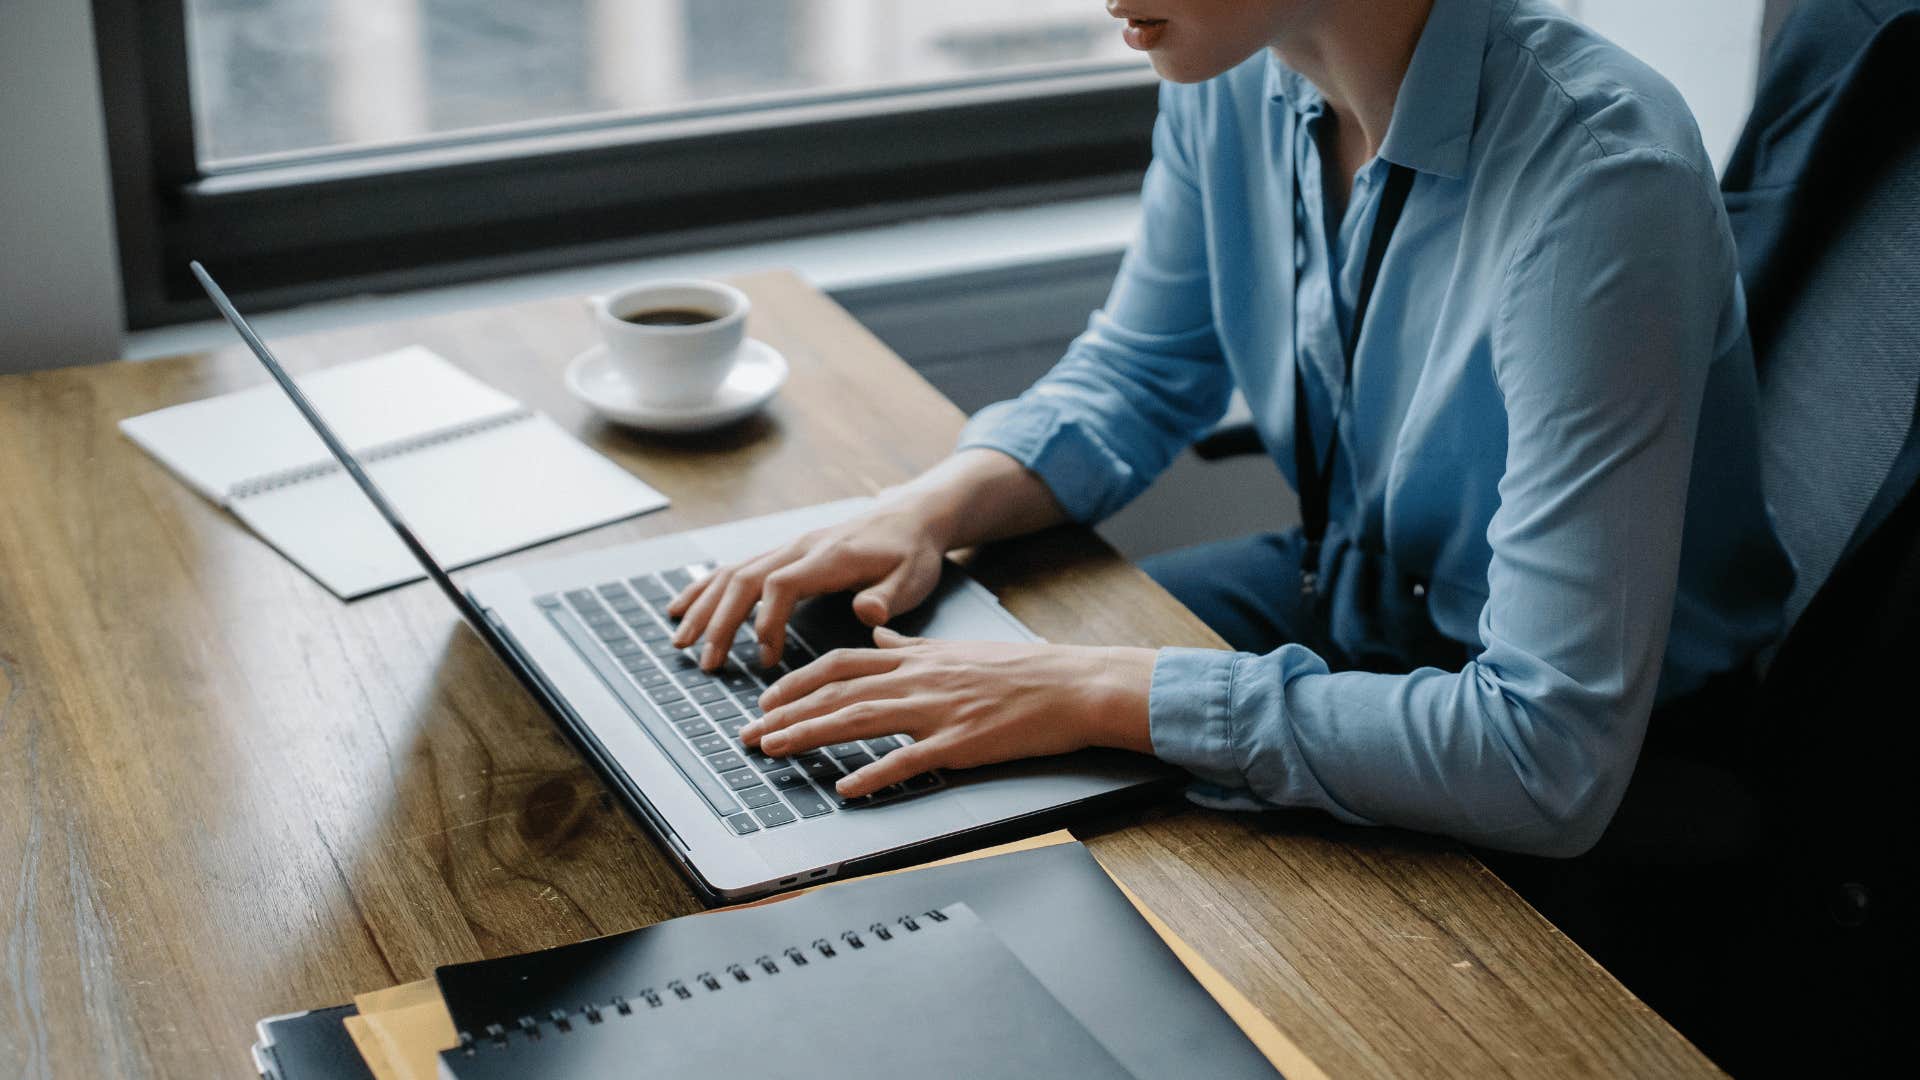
(309,147)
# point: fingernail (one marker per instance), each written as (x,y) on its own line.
(772,744)
(751,731)
(766,655)
(710,655)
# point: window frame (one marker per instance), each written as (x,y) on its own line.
(299,228)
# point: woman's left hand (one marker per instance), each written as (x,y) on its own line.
(965,703)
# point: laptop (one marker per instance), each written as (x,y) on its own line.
(587,635)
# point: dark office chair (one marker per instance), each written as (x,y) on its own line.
(1824,196)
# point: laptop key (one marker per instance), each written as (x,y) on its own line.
(774,814)
(663,692)
(727,761)
(821,768)
(744,823)
(738,681)
(624,647)
(650,588)
(677,578)
(787,779)
(740,779)
(729,726)
(764,763)
(706,695)
(843,802)
(711,743)
(883,746)
(757,796)
(855,761)
(648,673)
(663,648)
(923,782)
(693,729)
(846,749)
(808,803)
(680,710)
(582,600)
(694,679)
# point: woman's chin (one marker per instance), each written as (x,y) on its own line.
(1177,68)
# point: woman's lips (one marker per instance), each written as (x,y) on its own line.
(1143,34)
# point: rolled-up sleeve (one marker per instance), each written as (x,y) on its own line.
(1601,349)
(1146,378)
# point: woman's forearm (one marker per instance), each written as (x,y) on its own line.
(979,495)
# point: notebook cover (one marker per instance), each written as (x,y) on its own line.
(217,444)
(473,472)
(1054,907)
(310,1045)
(936,995)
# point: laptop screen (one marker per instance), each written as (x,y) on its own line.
(352,464)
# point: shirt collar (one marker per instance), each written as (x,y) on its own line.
(1432,126)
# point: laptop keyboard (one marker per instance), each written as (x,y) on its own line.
(623,630)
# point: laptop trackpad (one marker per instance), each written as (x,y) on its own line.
(958,610)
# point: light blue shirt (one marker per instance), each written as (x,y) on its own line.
(1549,448)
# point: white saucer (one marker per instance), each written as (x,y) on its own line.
(755,378)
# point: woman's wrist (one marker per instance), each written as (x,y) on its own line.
(1117,696)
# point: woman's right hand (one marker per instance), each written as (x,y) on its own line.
(891,554)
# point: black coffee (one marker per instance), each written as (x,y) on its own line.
(678,316)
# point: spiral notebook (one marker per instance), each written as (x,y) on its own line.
(474,472)
(1053,907)
(928,994)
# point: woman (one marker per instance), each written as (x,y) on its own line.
(1468,264)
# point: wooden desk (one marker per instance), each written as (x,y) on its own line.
(225,794)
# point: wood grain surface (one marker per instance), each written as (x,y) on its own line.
(225,794)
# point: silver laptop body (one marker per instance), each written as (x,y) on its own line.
(525,615)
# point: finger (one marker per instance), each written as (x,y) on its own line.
(694,619)
(882,601)
(888,638)
(903,764)
(827,699)
(836,666)
(732,609)
(822,571)
(698,617)
(685,597)
(859,720)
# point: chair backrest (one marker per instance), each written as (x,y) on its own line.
(1840,374)
(1829,223)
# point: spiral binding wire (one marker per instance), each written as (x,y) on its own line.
(300,474)
(561,1021)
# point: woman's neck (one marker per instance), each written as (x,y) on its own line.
(1356,54)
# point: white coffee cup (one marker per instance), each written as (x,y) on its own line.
(673,341)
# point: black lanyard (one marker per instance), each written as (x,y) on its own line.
(1316,483)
